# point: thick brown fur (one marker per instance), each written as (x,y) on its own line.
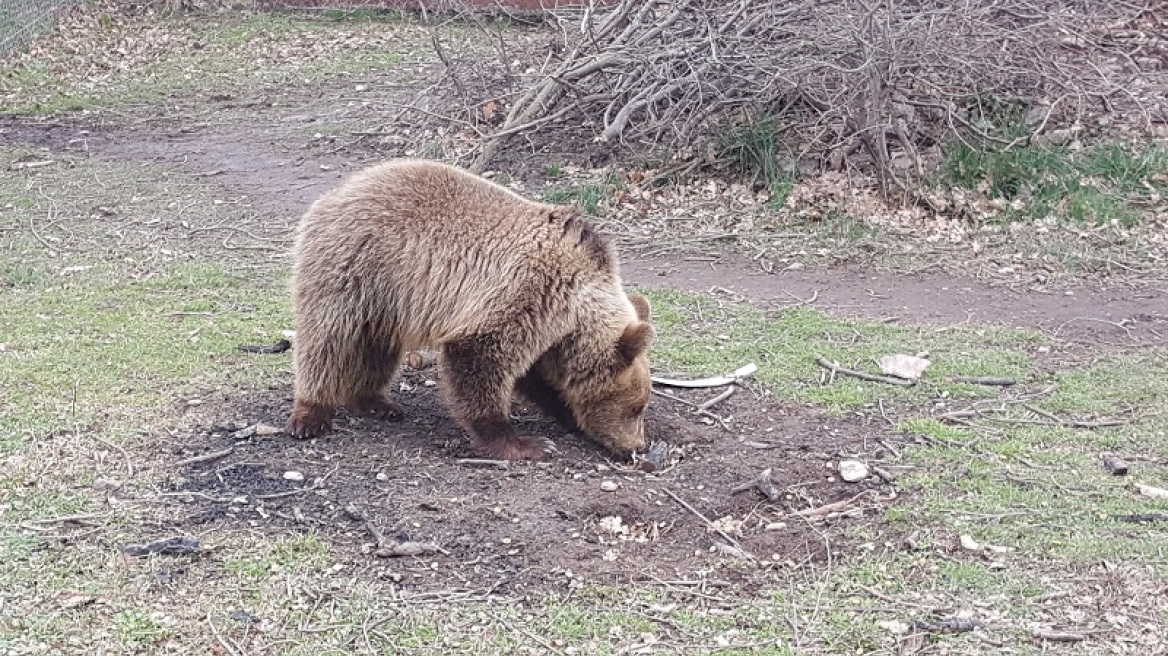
(516,294)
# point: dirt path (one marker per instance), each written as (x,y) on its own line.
(277,167)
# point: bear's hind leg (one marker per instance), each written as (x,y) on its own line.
(480,374)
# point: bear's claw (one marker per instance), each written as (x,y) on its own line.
(377,406)
(514,447)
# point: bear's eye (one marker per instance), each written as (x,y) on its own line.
(637,411)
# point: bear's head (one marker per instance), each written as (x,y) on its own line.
(611,409)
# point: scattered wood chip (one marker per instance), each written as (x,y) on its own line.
(947,625)
(176,546)
(884,474)
(969,544)
(745,371)
(1117,466)
(829,508)
(895,627)
(70,599)
(267,429)
(206,457)
(267,349)
(1142,518)
(244,433)
(1053,635)
(731,550)
(763,483)
(989,381)
(404,549)
(1152,491)
(483,462)
(909,367)
(35,164)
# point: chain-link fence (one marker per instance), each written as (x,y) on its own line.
(23,20)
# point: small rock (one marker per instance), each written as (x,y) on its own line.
(894,626)
(853,471)
(968,543)
(1116,466)
(293,476)
(609,486)
(382,476)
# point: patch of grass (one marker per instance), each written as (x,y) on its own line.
(756,150)
(699,335)
(1097,184)
(1043,485)
(588,197)
(137,629)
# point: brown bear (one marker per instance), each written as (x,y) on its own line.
(515,294)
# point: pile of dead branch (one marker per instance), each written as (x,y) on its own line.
(846,82)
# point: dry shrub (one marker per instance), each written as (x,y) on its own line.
(849,83)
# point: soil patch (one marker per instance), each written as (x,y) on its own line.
(1108,314)
(529,524)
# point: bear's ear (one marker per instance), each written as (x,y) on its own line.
(641,304)
(634,341)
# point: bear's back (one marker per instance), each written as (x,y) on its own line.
(445,249)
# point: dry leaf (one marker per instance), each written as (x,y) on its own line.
(909,367)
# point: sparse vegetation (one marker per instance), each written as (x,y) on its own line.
(134,263)
(1095,184)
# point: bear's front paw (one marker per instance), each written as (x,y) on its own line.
(309,420)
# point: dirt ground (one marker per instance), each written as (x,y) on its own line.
(533,525)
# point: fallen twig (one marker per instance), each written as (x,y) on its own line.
(829,508)
(947,625)
(735,376)
(835,368)
(1141,518)
(710,525)
(176,546)
(227,646)
(482,462)
(763,483)
(985,380)
(706,405)
(206,457)
(1059,636)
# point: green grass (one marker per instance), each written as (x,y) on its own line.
(588,197)
(757,152)
(1097,184)
(698,335)
(1045,486)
